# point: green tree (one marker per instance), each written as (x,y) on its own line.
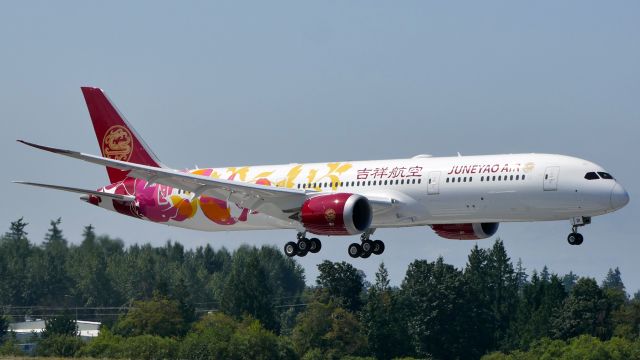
(614,289)
(87,267)
(342,283)
(479,325)
(503,291)
(56,282)
(148,347)
(585,311)
(59,345)
(60,325)
(209,338)
(569,280)
(382,319)
(435,294)
(328,329)
(626,320)
(15,250)
(252,341)
(539,302)
(158,316)
(613,280)
(4,327)
(247,290)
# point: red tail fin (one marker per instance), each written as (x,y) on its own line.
(116,138)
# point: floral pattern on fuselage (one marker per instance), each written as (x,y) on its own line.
(162,203)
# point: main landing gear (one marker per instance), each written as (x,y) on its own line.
(366,246)
(575,238)
(303,246)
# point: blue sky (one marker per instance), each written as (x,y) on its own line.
(242,83)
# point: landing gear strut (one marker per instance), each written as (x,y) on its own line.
(575,238)
(303,246)
(366,246)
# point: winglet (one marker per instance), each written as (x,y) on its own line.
(47,148)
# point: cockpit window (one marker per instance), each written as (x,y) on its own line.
(591,176)
(605,175)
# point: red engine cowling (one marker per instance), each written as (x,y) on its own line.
(336,214)
(473,231)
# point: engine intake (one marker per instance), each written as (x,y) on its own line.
(470,231)
(336,214)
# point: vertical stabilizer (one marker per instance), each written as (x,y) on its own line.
(116,138)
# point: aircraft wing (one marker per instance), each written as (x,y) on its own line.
(278,202)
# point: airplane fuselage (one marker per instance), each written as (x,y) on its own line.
(420,191)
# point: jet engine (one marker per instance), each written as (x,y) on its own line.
(336,214)
(470,231)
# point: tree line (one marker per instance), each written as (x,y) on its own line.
(253,303)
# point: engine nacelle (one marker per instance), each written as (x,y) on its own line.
(469,231)
(336,214)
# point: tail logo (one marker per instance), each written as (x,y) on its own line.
(117,143)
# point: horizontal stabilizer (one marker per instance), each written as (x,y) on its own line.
(126,198)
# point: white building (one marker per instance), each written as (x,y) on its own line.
(26,329)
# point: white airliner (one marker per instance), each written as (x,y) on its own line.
(461,197)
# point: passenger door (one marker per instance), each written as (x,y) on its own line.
(550,182)
(433,187)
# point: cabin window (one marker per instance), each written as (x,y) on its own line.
(511,177)
(522,177)
(499,177)
(517,177)
(470,178)
(459,179)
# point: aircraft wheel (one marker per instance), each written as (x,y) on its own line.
(365,255)
(367,246)
(355,250)
(303,245)
(378,247)
(316,245)
(290,249)
(574,238)
(303,253)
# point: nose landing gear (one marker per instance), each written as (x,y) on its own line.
(575,238)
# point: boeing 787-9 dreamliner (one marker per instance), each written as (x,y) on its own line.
(460,197)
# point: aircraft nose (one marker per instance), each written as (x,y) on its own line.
(619,197)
